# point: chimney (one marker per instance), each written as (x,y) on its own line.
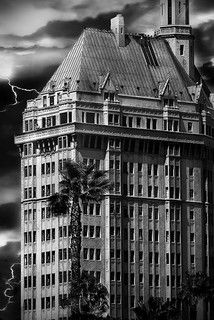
(118,28)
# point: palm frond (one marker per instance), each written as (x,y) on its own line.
(59,203)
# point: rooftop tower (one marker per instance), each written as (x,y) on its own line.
(175,28)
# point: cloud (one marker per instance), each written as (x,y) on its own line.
(9,216)
(204,41)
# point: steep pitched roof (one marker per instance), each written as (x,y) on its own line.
(136,69)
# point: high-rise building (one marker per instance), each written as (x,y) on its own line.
(130,104)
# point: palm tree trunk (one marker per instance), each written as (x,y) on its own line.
(76,228)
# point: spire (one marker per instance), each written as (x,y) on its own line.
(175,28)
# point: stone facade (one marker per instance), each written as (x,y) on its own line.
(156,223)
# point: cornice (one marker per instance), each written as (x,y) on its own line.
(117,132)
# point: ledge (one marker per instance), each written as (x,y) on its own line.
(113,131)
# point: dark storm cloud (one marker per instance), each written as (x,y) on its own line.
(204,40)
(9,216)
(203,5)
(72,29)
(10,252)
(9,256)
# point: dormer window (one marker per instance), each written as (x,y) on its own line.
(109,96)
(52,100)
(168,102)
(44,101)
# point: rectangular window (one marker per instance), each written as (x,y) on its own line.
(90,117)
(148,123)
(181,50)
(91,254)
(169,11)
(63,118)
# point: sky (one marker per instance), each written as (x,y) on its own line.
(35,36)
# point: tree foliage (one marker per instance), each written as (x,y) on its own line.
(79,185)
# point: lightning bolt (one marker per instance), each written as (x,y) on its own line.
(8,283)
(14,88)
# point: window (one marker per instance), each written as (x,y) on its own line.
(90,117)
(149,191)
(155,191)
(191,214)
(150,235)
(63,118)
(190,126)
(85,253)
(98,254)
(132,256)
(91,231)
(130,122)
(132,234)
(85,231)
(181,50)
(148,123)
(191,194)
(156,235)
(138,122)
(150,280)
(169,11)
(191,172)
(91,254)
(51,100)
(157,282)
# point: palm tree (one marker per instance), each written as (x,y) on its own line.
(156,309)
(80,184)
(195,288)
(93,302)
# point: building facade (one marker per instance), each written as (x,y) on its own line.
(130,104)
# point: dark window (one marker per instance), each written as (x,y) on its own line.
(51,100)
(90,117)
(169,11)
(181,50)
(63,118)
